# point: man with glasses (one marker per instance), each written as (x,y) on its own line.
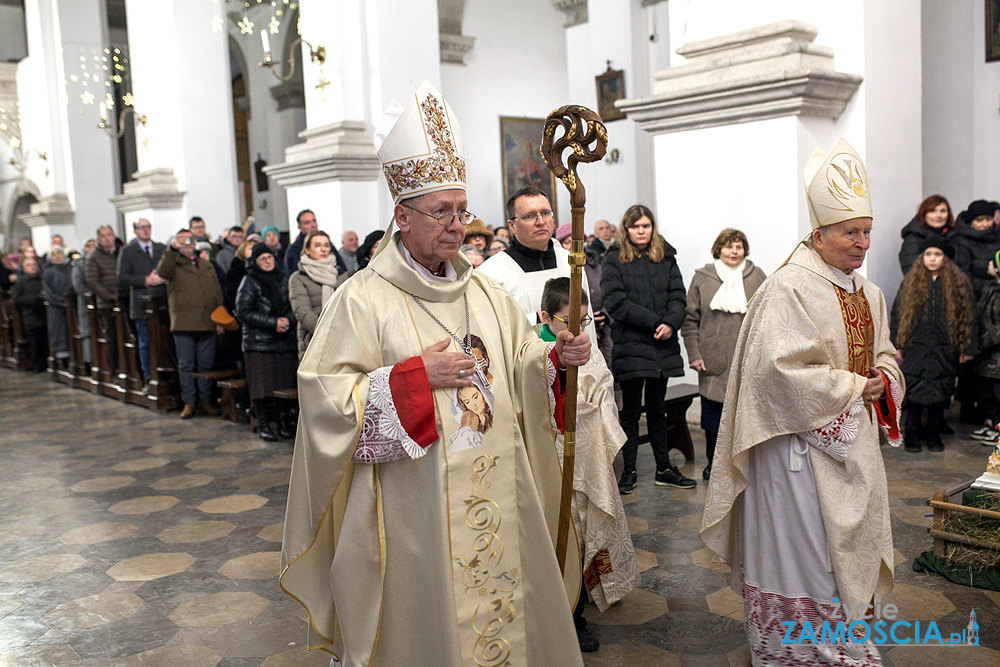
(424,463)
(137,268)
(532,258)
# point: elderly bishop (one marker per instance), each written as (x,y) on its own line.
(424,492)
(797,502)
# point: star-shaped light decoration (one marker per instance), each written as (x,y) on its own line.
(216,23)
(128,100)
(109,104)
(273,26)
(246,25)
(87,97)
(14,142)
(117,78)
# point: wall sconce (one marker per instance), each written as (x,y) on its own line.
(614,155)
(318,56)
(116,131)
(20,163)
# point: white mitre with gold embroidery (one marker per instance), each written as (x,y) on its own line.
(836,186)
(423,152)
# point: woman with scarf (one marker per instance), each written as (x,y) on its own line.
(262,306)
(313,284)
(716,303)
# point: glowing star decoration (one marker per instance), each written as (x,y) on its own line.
(128,100)
(246,26)
(216,23)
(273,25)
(14,142)
(87,97)
(117,78)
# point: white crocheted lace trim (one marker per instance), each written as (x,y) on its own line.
(383,438)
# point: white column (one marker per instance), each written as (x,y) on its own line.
(181,82)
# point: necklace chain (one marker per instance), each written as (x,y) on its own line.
(467,345)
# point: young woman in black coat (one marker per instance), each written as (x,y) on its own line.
(269,341)
(933,220)
(644,295)
(27,296)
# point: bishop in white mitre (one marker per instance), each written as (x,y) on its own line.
(424,492)
(797,503)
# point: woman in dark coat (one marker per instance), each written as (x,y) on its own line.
(269,342)
(644,295)
(933,219)
(931,325)
(369,247)
(58,281)
(977,241)
(237,271)
(27,296)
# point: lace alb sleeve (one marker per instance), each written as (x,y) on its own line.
(836,438)
(383,438)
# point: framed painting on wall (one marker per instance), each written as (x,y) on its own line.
(992,30)
(521,162)
(610,88)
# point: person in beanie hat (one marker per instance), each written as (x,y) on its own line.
(977,240)
(798,502)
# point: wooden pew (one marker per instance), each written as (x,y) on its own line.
(164,386)
(17,356)
(129,369)
(79,370)
(103,336)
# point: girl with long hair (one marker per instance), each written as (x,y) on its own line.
(931,327)
(644,294)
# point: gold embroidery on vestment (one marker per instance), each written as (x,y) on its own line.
(859,328)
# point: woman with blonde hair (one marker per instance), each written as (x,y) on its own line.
(644,294)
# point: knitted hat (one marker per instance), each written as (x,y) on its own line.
(940,242)
(978,208)
(258,250)
(836,186)
(269,228)
(478,228)
(564,231)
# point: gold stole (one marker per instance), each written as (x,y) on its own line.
(860,331)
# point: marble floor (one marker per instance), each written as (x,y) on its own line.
(132,538)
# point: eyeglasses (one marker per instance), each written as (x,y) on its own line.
(584,321)
(465,217)
(531,217)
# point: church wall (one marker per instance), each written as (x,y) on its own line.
(516,68)
(961,90)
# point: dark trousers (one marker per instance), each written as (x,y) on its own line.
(38,348)
(106,319)
(142,337)
(914,417)
(656,419)
(195,352)
(989,397)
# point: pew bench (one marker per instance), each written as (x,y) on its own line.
(227,403)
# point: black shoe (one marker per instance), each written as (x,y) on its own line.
(628,482)
(673,477)
(588,640)
(934,443)
(286,427)
(706,474)
(912,445)
(264,431)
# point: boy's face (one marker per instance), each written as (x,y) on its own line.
(557,325)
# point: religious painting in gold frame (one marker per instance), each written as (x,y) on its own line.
(610,87)
(521,161)
(992,30)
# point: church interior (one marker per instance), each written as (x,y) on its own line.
(131,538)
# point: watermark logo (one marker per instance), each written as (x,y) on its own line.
(883,629)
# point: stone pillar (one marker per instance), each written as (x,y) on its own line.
(153,195)
(181,82)
(51,215)
(732,131)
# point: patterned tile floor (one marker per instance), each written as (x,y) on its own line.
(131,538)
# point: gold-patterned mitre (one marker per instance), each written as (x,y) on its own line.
(423,152)
(836,186)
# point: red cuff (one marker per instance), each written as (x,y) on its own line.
(411,393)
(887,411)
(559,392)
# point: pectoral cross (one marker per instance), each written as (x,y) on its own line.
(481,366)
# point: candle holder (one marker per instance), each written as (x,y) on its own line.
(116,131)
(318,56)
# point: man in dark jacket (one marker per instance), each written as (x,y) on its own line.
(102,280)
(137,268)
(224,258)
(192,294)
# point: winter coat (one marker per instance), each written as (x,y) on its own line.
(253,309)
(27,296)
(639,296)
(224,258)
(986,333)
(234,277)
(710,335)
(974,251)
(58,282)
(306,296)
(102,276)
(192,291)
(930,363)
(134,264)
(913,234)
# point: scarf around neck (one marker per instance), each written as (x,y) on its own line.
(730,297)
(270,283)
(323,272)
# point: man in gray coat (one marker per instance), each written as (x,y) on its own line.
(137,268)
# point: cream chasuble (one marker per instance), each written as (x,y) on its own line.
(446,559)
(792,378)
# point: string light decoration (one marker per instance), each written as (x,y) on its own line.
(10,133)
